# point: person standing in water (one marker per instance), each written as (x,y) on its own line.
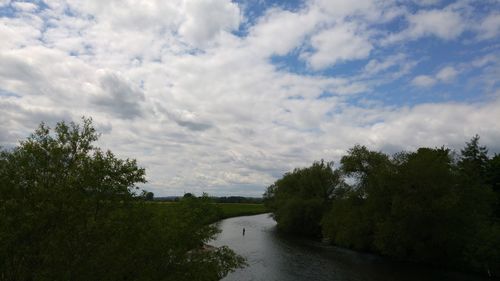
(243,231)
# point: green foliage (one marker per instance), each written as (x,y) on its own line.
(493,173)
(474,160)
(421,206)
(352,218)
(148,195)
(68,211)
(483,251)
(348,223)
(365,166)
(424,211)
(299,199)
(493,180)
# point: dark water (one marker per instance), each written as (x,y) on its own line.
(272,257)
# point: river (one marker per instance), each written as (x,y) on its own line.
(273,257)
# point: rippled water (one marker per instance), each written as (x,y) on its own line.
(272,257)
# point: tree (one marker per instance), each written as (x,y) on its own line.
(148,195)
(474,160)
(189,195)
(493,180)
(299,198)
(352,219)
(480,200)
(420,206)
(69,211)
(424,210)
(365,167)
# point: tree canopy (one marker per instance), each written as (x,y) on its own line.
(425,206)
(70,211)
(299,199)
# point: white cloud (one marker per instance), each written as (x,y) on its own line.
(435,125)
(129,14)
(205,19)
(279,31)
(447,74)
(426,2)
(423,81)
(25,6)
(446,24)
(369,10)
(20,32)
(444,75)
(119,96)
(376,66)
(189,120)
(443,24)
(485,60)
(342,8)
(339,43)
(198,22)
(489,28)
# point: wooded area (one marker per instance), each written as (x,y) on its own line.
(431,205)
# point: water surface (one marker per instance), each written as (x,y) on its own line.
(273,257)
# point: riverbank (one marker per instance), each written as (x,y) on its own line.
(325,243)
(273,256)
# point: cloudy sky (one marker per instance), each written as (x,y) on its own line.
(225,96)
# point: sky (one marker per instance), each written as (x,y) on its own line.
(223,96)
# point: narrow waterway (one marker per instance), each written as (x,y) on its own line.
(272,257)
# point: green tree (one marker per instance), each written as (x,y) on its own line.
(189,195)
(474,160)
(480,206)
(299,199)
(69,211)
(348,222)
(148,195)
(424,210)
(493,180)
(353,217)
(421,206)
(493,173)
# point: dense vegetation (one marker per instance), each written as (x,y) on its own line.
(69,211)
(430,205)
(299,199)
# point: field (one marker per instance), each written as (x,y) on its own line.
(228,210)
(240,209)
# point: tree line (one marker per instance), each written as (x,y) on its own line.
(431,205)
(222,199)
(70,211)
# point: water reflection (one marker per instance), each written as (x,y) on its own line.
(273,257)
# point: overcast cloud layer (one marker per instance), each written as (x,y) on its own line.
(224,97)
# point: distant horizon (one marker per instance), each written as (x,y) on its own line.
(209,195)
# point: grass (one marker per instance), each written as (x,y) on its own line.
(230,210)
